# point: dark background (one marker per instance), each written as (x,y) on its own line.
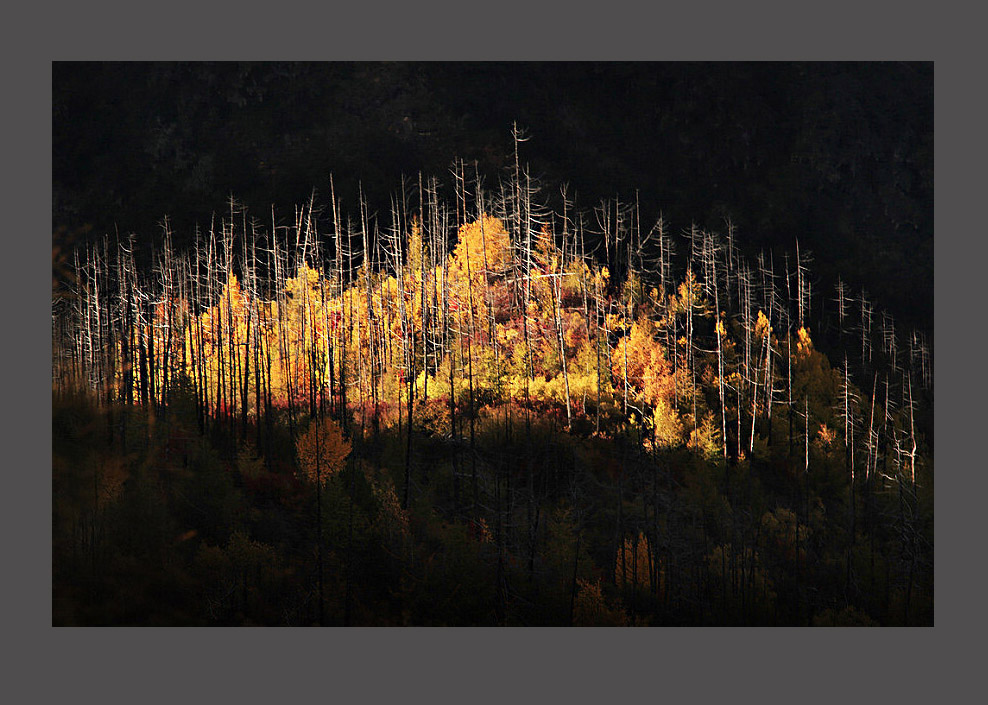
(839,155)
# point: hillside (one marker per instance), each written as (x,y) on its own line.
(461,412)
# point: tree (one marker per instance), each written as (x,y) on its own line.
(321,451)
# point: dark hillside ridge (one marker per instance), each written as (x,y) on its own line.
(839,155)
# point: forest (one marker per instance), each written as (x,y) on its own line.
(481,405)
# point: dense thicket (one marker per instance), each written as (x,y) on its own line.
(457,413)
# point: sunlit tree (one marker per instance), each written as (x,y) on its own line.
(322,451)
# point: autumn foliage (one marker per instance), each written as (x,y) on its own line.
(530,430)
(321,451)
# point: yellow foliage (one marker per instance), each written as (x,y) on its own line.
(486,235)
(304,283)
(690,295)
(667,429)
(632,564)
(321,451)
(614,322)
(482,246)
(706,437)
(762,325)
(804,346)
(232,299)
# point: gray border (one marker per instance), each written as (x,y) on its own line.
(144,665)
(534,30)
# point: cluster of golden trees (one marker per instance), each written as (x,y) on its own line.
(486,322)
(426,321)
(427,324)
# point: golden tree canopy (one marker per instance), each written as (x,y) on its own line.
(487,234)
(648,371)
(321,450)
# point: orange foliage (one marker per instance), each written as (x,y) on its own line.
(648,372)
(321,451)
